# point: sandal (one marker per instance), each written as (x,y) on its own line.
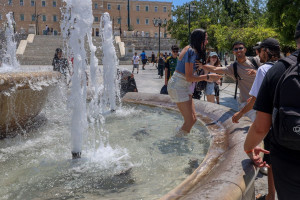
(261,197)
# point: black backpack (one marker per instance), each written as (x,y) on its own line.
(237,76)
(286,112)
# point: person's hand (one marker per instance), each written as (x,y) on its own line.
(236,117)
(198,65)
(257,159)
(214,77)
(251,72)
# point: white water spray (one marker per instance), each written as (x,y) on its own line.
(77,26)
(111,91)
(10,61)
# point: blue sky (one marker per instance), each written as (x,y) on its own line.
(180,2)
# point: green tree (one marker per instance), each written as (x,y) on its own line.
(283,15)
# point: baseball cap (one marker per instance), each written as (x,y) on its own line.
(175,47)
(270,43)
(256,46)
(297,32)
(213,54)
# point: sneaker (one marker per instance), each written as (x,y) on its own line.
(137,72)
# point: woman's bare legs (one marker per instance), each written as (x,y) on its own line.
(210,98)
(188,112)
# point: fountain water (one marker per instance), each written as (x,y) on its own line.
(10,61)
(110,64)
(77,29)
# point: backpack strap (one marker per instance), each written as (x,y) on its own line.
(289,61)
(252,60)
(237,77)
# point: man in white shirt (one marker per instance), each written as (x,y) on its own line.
(135,62)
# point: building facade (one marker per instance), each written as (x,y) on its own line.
(32,16)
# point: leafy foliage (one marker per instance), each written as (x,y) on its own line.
(227,21)
(284,15)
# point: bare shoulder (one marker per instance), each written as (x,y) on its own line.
(184,50)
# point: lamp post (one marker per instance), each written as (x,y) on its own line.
(190,8)
(120,21)
(158,23)
(128,19)
(36,17)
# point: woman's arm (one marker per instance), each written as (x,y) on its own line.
(190,77)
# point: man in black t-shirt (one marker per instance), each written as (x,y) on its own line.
(285,162)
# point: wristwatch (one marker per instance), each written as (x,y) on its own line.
(207,77)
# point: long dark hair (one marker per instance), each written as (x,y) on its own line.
(197,43)
(58,50)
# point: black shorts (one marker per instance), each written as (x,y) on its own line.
(153,60)
(144,61)
(285,167)
(217,90)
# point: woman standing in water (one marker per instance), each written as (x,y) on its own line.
(181,86)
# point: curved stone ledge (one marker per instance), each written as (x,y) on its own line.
(22,97)
(226,172)
(23,80)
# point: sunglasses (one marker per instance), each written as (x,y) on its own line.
(175,51)
(240,48)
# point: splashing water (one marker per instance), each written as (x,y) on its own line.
(77,31)
(77,25)
(10,61)
(111,93)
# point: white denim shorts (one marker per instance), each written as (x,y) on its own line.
(210,88)
(179,89)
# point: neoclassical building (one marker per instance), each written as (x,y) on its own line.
(32,16)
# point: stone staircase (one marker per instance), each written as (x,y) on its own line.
(42,50)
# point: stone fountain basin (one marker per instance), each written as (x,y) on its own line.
(22,97)
(226,172)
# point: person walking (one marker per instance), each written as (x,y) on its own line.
(135,62)
(161,65)
(144,59)
(181,86)
(170,64)
(153,58)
